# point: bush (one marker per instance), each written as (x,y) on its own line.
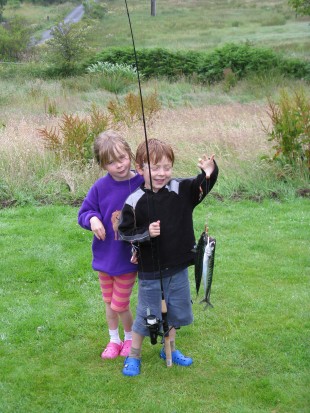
(94,10)
(153,62)
(66,48)
(14,39)
(73,139)
(290,131)
(241,59)
(206,67)
(113,77)
(130,110)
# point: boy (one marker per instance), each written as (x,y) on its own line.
(157,220)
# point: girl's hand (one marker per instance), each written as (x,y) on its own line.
(206,164)
(154,229)
(97,228)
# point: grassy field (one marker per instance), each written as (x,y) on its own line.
(203,25)
(233,132)
(250,351)
(187,24)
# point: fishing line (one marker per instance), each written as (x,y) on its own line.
(164,306)
(140,93)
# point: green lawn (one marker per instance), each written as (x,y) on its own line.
(251,351)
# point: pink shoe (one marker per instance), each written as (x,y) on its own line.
(112,350)
(126,348)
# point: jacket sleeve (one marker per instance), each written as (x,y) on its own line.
(89,208)
(127,228)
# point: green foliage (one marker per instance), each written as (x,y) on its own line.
(73,139)
(130,110)
(290,131)
(94,10)
(14,39)
(209,67)
(66,48)
(2,4)
(300,6)
(50,107)
(155,62)
(48,2)
(113,77)
(241,59)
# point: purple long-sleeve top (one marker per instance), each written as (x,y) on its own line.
(105,200)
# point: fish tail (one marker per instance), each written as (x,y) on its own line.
(208,303)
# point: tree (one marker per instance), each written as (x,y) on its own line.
(67,46)
(15,37)
(2,4)
(301,7)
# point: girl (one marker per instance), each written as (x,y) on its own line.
(99,213)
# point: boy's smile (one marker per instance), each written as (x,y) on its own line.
(160,172)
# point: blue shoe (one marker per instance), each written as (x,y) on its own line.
(177,358)
(132,366)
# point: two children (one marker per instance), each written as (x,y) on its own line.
(158,220)
(99,213)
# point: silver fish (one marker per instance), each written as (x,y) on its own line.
(204,265)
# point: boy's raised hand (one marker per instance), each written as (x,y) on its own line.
(97,228)
(206,164)
(154,229)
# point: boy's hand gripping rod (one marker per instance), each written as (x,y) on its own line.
(163,302)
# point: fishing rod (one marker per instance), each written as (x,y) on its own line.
(164,312)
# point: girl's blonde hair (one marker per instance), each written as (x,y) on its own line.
(108,146)
(157,151)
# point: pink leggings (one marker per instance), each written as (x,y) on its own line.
(117,290)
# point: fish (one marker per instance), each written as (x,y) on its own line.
(204,265)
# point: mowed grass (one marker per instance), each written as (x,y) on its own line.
(250,351)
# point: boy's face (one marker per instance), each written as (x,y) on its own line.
(161,174)
(119,168)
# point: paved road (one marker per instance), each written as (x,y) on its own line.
(73,17)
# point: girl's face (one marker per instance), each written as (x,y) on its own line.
(160,172)
(119,168)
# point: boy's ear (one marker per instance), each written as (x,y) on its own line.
(139,169)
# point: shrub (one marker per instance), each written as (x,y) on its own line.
(241,59)
(73,139)
(66,48)
(208,68)
(130,110)
(94,10)
(14,39)
(153,62)
(113,77)
(290,131)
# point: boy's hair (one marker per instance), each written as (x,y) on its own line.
(108,145)
(157,150)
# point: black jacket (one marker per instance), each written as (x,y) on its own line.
(173,205)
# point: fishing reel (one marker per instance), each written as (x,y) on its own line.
(154,325)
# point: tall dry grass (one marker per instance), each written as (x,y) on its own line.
(232,132)
(29,172)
